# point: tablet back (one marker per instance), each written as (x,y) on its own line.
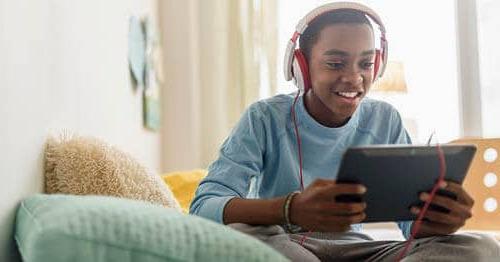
(394,175)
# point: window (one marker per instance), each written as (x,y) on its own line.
(489,40)
(423,39)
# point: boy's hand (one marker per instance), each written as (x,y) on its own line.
(316,209)
(444,223)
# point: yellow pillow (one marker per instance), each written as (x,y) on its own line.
(183,185)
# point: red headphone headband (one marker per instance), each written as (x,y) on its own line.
(295,65)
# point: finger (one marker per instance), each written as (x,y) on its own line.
(341,189)
(442,201)
(344,208)
(440,217)
(329,192)
(455,208)
(319,182)
(322,188)
(459,190)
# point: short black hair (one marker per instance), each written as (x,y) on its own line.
(341,16)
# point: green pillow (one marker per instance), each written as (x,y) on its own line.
(98,228)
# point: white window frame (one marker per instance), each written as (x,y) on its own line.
(469,82)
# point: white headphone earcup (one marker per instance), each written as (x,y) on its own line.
(287,62)
(298,77)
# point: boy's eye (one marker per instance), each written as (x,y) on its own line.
(367,65)
(335,65)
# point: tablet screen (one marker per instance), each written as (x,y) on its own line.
(395,175)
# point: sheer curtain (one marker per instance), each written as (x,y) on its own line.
(252,53)
(219,57)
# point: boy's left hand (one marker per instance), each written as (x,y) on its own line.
(444,223)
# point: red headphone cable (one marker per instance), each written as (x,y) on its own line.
(299,152)
(418,222)
(292,112)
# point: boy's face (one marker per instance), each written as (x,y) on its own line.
(341,66)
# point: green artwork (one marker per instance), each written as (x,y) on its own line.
(136,51)
(145,66)
(153,77)
(151,103)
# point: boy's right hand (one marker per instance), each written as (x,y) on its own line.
(316,209)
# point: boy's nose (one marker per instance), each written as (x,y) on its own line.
(353,78)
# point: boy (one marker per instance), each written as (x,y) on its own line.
(251,185)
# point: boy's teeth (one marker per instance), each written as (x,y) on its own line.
(348,94)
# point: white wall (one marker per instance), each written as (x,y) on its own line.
(63,64)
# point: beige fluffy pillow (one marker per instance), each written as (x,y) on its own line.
(87,166)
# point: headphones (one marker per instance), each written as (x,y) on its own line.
(295,64)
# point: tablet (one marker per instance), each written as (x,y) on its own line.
(395,175)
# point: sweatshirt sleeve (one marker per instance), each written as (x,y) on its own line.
(240,159)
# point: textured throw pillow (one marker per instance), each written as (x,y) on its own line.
(87,166)
(65,228)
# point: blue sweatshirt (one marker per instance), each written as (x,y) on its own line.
(259,158)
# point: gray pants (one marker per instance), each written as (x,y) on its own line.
(355,246)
